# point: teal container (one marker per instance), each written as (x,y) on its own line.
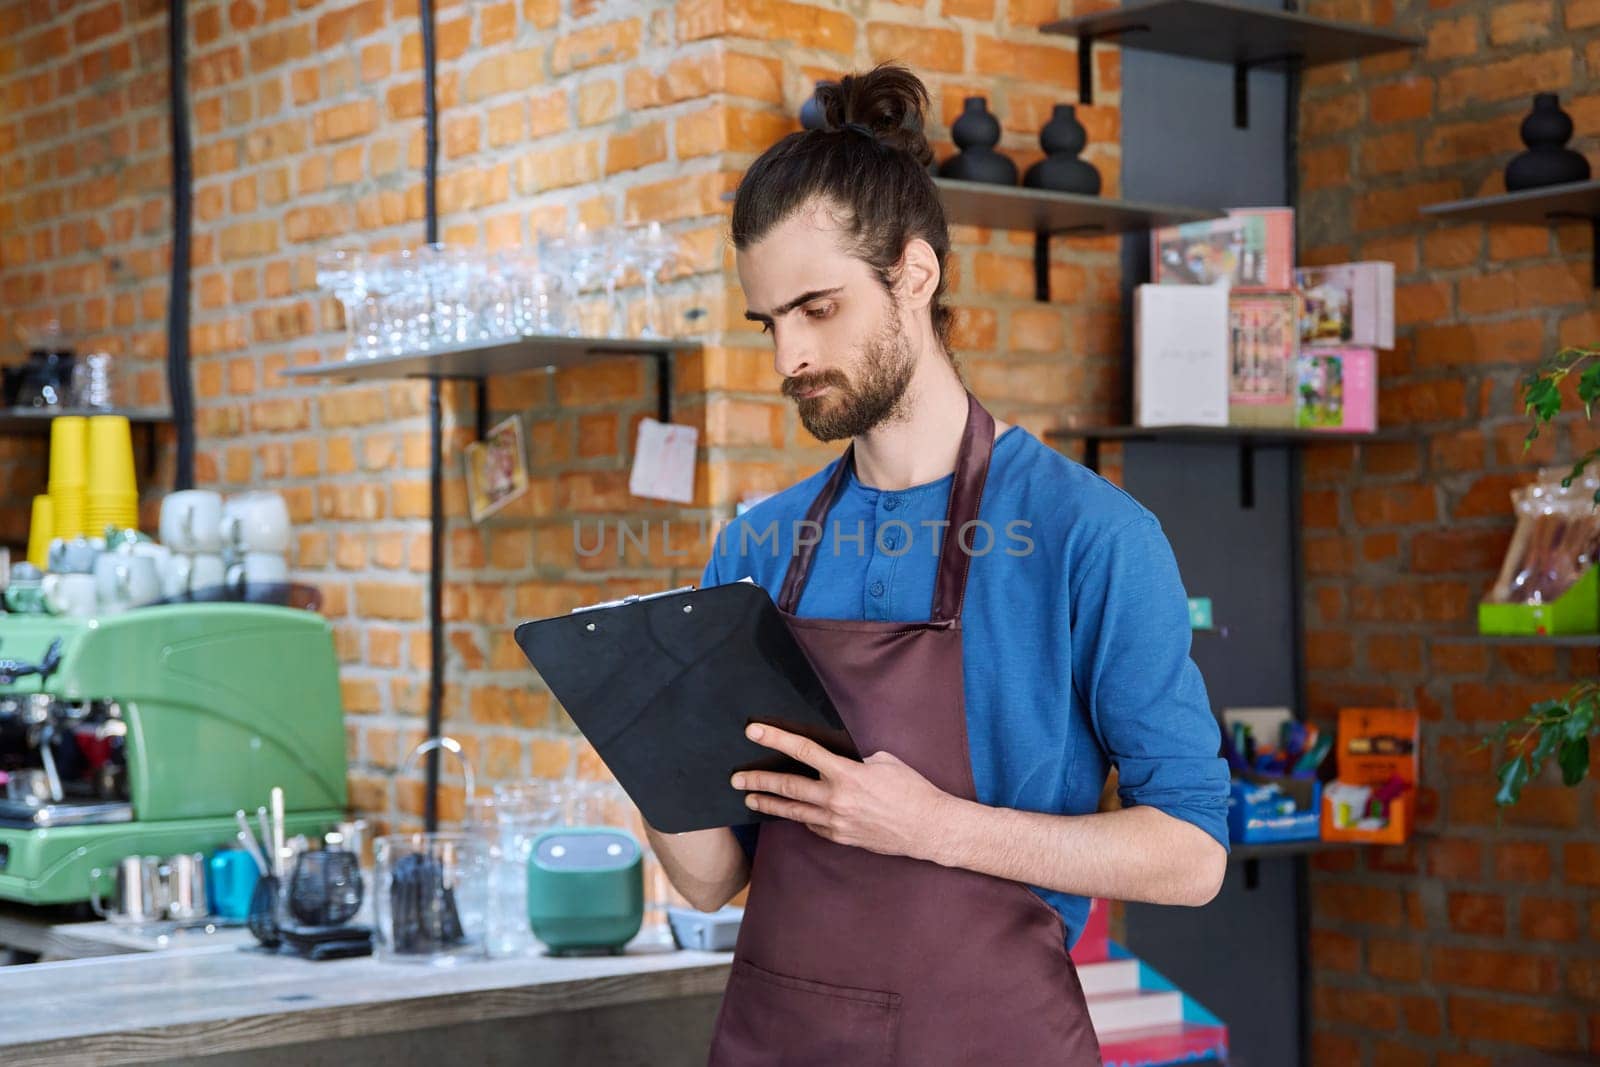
(585,889)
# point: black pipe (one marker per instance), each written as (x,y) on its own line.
(179,387)
(436,517)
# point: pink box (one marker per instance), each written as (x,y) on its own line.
(1250,249)
(1338,390)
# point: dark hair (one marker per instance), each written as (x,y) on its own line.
(870,160)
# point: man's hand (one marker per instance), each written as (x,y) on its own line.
(881,805)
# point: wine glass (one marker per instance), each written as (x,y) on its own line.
(655,251)
(343,273)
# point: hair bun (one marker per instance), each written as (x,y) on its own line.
(887,101)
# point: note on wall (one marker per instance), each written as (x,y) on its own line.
(663,461)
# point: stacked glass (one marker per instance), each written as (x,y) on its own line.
(417,300)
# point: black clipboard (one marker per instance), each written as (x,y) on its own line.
(663,686)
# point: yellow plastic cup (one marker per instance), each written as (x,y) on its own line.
(40,531)
(69,451)
(110,456)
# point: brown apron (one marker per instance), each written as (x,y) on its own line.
(850,958)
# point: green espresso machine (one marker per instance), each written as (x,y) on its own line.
(142,733)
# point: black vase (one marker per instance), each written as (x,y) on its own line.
(976,133)
(1548,160)
(811,110)
(1062,138)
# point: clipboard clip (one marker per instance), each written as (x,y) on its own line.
(632,599)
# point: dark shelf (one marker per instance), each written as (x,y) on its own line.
(1569,202)
(37,420)
(477,361)
(1530,207)
(1274,850)
(1224,32)
(1222,434)
(1548,640)
(1013,207)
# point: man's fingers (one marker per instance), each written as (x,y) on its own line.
(803,749)
(793,786)
(809,814)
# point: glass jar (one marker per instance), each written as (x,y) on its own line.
(431,900)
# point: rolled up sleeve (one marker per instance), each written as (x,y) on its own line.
(1145,696)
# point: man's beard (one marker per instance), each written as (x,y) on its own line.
(852,408)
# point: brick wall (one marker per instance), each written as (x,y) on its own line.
(1481,936)
(85,223)
(308,135)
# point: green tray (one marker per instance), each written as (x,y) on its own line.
(1577,611)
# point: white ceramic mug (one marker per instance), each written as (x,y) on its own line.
(72,556)
(124,580)
(184,575)
(256,522)
(70,594)
(191,521)
(259,568)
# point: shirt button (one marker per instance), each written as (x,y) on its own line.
(890,503)
(891,541)
(876,589)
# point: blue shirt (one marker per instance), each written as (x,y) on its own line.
(1075,630)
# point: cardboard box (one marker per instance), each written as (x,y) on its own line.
(1251,248)
(1347,304)
(1338,390)
(1264,348)
(1375,745)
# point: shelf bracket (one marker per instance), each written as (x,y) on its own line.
(1241,84)
(1086,56)
(1247,475)
(1594,234)
(1091,453)
(663,385)
(1041,256)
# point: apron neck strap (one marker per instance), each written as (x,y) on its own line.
(966,493)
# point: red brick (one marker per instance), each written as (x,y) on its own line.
(1513,1021)
(1518,76)
(1548,919)
(1477,913)
(1401,101)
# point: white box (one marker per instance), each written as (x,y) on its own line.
(1180,340)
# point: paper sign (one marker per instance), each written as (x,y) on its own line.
(663,461)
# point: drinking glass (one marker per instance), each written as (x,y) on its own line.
(619,259)
(345,274)
(448,275)
(655,251)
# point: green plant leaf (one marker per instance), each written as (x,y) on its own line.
(1589,387)
(1579,722)
(1549,738)
(1543,398)
(1513,776)
(1574,760)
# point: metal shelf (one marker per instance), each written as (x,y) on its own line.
(1546,640)
(1244,851)
(1224,32)
(1013,207)
(478,362)
(1248,438)
(1252,434)
(37,420)
(1568,202)
(474,361)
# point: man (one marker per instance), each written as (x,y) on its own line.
(997,626)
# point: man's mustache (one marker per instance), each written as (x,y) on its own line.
(793,387)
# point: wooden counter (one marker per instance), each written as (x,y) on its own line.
(183,1005)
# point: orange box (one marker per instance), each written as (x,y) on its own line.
(1375,745)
